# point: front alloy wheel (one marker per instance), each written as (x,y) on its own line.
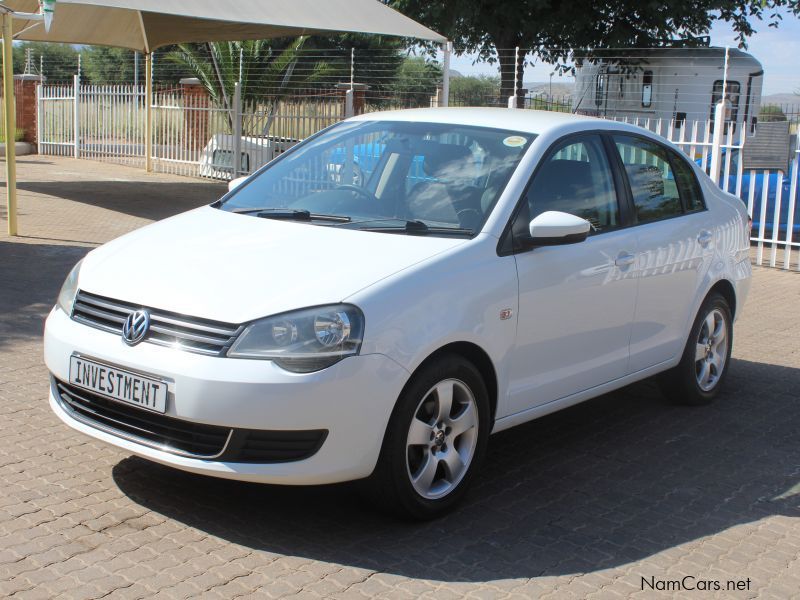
(442,438)
(435,440)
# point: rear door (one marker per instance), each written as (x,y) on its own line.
(674,246)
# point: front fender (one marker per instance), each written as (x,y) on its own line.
(458,296)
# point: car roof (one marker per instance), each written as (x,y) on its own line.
(522,120)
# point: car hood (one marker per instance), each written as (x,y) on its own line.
(235,268)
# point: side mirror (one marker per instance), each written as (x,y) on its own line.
(554,228)
(235,183)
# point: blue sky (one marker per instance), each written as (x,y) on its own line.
(777,49)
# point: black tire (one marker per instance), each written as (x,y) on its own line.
(680,385)
(390,488)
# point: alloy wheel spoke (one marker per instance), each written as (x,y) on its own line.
(705,374)
(718,363)
(453,465)
(700,352)
(464,422)
(424,476)
(419,433)
(710,324)
(719,333)
(444,400)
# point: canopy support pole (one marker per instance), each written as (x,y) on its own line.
(445,99)
(9,106)
(148,122)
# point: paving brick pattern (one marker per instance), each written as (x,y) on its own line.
(581,504)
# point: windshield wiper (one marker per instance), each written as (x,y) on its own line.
(291,214)
(415,227)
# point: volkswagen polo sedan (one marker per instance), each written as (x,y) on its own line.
(327,322)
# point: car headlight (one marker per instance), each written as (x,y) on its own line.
(305,340)
(66,297)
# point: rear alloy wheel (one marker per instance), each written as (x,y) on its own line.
(711,350)
(698,377)
(435,440)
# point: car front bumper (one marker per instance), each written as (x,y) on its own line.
(351,400)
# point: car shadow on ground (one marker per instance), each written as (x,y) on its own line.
(598,485)
(146,198)
(31,276)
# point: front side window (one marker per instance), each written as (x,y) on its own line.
(652,180)
(576,179)
(384,175)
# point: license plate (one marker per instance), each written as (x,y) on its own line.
(118,384)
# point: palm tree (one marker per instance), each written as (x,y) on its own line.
(267,73)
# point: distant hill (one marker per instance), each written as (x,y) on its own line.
(560,88)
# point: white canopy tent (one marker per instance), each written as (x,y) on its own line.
(145,25)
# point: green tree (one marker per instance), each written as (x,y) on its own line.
(60,61)
(416,81)
(771,112)
(553,29)
(102,64)
(376,61)
(475,91)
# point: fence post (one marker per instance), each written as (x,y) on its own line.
(39,117)
(717,139)
(348,104)
(444,99)
(76,119)
(719,125)
(237,130)
(512,100)
(148,111)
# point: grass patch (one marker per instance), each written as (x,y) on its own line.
(18,135)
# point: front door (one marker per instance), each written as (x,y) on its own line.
(576,301)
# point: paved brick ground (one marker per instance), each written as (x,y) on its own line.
(581,504)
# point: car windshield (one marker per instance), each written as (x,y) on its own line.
(389,176)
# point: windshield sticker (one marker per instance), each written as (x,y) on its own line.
(515,141)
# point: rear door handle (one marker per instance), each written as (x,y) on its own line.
(625,259)
(705,237)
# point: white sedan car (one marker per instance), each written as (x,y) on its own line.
(377,301)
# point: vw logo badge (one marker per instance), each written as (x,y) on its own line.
(136,326)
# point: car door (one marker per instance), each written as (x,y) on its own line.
(576,301)
(675,246)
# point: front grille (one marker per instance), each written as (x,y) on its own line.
(176,435)
(185,438)
(202,336)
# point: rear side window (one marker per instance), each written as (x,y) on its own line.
(688,187)
(651,177)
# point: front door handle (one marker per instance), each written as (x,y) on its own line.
(705,237)
(625,259)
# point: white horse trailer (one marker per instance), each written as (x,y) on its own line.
(680,84)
